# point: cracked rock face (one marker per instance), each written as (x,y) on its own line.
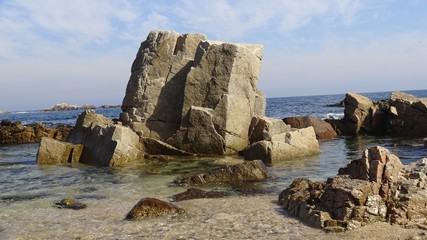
(376,187)
(183,82)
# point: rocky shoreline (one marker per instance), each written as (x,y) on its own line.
(17,133)
(188,96)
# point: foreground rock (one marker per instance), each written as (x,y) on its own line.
(196,193)
(197,95)
(375,188)
(105,143)
(152,207)
(17,133)
(401,115)
(52,151)
(285,146)
(247,171)
(323,129)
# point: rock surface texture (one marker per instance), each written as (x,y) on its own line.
(401,115)
(52,151)
(247,171)
(284,146)
(197,95)
(105,143)
(152,207)
(17,133)
(323,129)
(376,187)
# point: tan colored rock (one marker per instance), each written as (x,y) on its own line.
(322,128)
(224,79)
(199,134)
(155,91)
(357,113)
(52,151)
(104,143)
(264,128)
(285,146)
(174,75)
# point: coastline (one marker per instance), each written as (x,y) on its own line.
(236,217)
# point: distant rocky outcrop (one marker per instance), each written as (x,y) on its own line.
(401,115)
(66,106)
(17,133)
(376,187)
(323,129)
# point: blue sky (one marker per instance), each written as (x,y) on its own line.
(54,51)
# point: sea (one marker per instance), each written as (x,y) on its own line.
(28,190)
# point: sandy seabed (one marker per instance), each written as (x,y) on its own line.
(236,217)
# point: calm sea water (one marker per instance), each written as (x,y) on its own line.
(25,186)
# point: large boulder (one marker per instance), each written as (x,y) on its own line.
(52,151)
(357,113)
(284,146)
(178,79)
(105,143)
(247,171)
(323,129)
(376,187)
(408,115)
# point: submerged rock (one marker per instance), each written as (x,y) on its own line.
(196,193)
(376,187)
(247,171)
(152,207)
(71,204)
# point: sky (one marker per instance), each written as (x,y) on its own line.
(80,52)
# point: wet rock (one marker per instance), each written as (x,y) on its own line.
(196,193)
(376,187)
(17,133)
(5,122)
(322,128)
(247,171)
(264,128)
(152,207)
(285,146)
(70,204)
(105,143)
(52,151)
